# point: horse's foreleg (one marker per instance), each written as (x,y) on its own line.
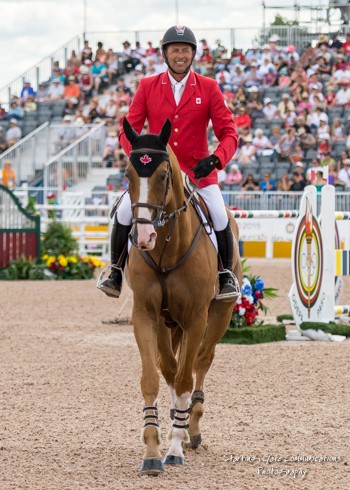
(178,435)
(219,318)
(168,363)
(146,338)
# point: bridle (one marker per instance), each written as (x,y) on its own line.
(161,217)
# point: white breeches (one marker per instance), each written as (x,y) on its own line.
(211,195)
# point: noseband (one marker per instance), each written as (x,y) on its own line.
(160,217)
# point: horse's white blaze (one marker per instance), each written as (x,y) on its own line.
(145,232)
(178,436)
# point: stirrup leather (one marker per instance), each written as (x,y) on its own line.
(237,290)
(107,270)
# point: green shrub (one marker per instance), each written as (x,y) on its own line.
(58,240)
(23,268)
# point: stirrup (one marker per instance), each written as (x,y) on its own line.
(236,286)
(108,269)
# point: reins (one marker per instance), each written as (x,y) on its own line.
(160,220)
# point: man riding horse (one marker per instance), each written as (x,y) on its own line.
(189,101)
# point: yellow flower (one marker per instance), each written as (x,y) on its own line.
(45,257)
(62,260)
(72,259)
(50,261)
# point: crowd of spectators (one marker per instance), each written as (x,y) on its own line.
(292,109)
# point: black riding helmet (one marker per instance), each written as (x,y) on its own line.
(178,34)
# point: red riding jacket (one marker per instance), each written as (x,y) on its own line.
(201,102)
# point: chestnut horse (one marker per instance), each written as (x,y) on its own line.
(172,272)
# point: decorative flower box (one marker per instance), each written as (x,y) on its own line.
(256,334)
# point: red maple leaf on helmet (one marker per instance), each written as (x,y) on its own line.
(145,159)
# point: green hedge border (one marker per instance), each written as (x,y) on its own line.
(333,328)
(254,335)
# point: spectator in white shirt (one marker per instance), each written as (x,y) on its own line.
(270,110)
(342,97)
(262,144)
(344,173)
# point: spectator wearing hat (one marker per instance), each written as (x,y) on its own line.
(55,91)
(13,134)
(270,110)
(254,104)
(262,144)
(342,97)
(323,130)
(285,102)
(128,59)
(3,143)
(30,105)
(41,94)
(27,91)
(344,173)
(246,154)
(307,140)
(252,77)
(8,175)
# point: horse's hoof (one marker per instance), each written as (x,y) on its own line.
(152,466)
(174,460)
(195,442)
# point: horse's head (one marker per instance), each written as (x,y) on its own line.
(150,178)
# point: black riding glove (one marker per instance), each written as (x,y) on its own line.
(205,166)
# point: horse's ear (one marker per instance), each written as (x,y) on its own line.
(166,131)
(130,133)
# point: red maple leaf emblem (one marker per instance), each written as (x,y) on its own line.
(145,159)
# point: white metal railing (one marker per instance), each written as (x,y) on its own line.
(29,154)
(75,210)
(73,164)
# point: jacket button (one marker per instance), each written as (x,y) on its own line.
(176,130)
(175,143)
(176,116)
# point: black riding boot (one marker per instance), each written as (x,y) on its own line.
(229,287)
(113,285)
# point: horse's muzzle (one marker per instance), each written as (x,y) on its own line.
(143,236)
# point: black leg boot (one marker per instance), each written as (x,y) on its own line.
(228,283)
(119,238)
